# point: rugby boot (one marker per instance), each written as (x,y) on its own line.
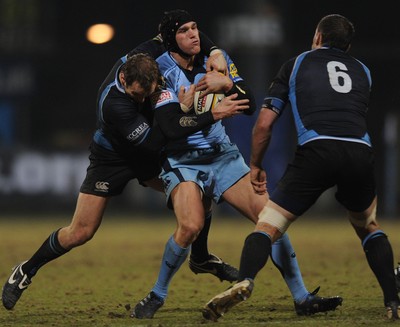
(15,285)
(216,267)
(147,307)
(397,277)
(223,302)
(393,310)
(314,304)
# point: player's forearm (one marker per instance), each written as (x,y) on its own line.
(175,124)
(259,144)
(244,92)
(207,45)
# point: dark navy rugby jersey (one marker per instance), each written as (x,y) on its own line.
(123,123)
(329,94)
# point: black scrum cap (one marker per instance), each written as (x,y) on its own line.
(169,25)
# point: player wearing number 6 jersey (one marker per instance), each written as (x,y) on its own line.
(329,94)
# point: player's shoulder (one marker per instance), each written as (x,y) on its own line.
(163,97)
(170,70)
(232,69)
(166,63)
(115,100)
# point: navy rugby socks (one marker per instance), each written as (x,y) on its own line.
(255,253)
(379,255)
(50,250)
(199,252)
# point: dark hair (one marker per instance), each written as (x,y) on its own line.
(337,31)
(143,69)
(169,25)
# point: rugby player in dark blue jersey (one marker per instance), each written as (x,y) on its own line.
(125,146)
(329,95)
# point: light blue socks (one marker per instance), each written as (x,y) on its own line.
(172,259)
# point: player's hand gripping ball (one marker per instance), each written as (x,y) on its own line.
(207,102)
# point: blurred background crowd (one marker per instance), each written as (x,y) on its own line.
(51,68)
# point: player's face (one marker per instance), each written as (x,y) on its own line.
(187,38)
(138,93)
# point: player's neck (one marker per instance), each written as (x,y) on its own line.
(185,62)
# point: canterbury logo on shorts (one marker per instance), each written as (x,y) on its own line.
(101,186)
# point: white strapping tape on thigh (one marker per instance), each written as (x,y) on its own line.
(275,218)
(363,223)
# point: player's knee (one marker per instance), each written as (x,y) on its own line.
(79,236)
(189,231)
(364,222)
(85,236)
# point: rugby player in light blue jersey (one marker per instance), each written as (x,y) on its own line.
(206,167)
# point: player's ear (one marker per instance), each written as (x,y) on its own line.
(318,39)
(122,79)
(161,82)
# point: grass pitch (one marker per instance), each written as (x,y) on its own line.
(96,284)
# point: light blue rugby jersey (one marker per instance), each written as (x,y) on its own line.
(175,77)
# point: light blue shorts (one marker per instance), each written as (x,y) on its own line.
(214,170)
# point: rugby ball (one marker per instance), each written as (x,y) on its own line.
(207,102)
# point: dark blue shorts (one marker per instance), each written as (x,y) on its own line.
(322,164)
(109,172)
